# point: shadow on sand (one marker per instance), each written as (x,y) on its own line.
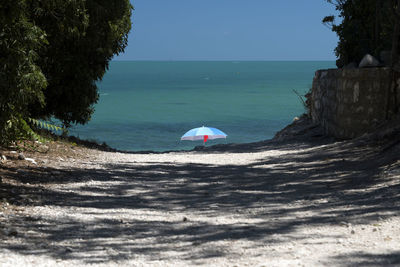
(333,183)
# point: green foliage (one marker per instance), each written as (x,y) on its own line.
(37,124)
(83,37)
(305,101)
(366,27)
(21,79)
(52,53)
(45,125)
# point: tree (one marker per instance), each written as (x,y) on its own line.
(373,27)
(367,27)
(52,53)
(21,79)
(83,36)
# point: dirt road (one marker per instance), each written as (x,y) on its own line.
(265,204)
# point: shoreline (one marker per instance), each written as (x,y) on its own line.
(300,129)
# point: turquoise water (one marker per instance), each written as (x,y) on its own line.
(150,105)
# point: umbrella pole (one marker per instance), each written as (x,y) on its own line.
(205,138)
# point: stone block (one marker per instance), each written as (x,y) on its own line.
(368,61)
(348,102)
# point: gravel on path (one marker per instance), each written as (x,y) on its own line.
(271,204)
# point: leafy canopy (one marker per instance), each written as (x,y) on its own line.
(52,53)
(83,37)
(366,27)
(21,79)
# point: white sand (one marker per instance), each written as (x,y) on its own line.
(277,204)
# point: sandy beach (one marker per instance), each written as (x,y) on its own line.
(303,201)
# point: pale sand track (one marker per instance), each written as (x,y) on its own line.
(273,204)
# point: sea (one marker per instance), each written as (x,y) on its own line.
(149,105)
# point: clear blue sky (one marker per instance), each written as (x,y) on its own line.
(230,30)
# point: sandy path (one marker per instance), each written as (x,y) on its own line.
(276,204)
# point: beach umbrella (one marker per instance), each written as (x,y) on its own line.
(203,133)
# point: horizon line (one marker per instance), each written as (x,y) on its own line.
(221,60)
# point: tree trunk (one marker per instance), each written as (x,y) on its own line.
(395,38)
(395,67)
(378,16)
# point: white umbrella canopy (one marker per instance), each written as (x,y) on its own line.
(203,133)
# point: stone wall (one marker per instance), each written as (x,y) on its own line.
(350,102)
